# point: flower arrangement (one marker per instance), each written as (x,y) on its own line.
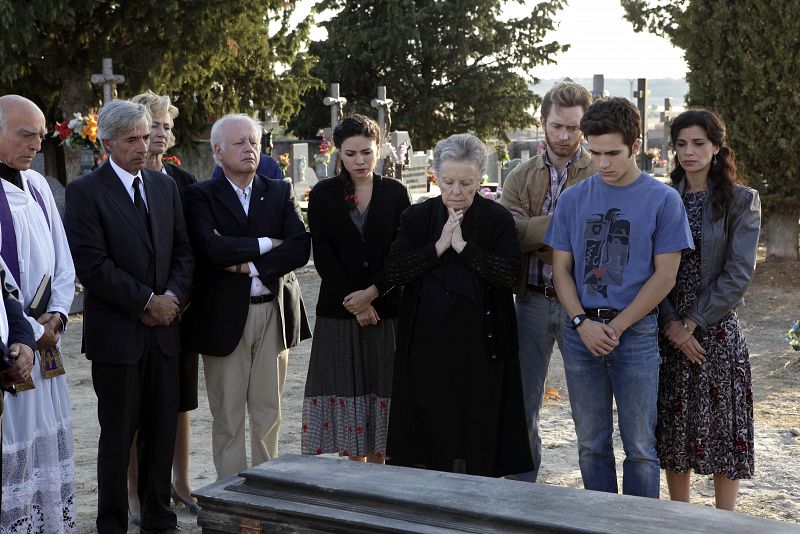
(326,148)
(399,156)
(285,162)
(793,336)
(431,175)
(80,131)
(172,158)
(653,154)
(487,192)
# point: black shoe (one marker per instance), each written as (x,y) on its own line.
(191,507)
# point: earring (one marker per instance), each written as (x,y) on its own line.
(714,161)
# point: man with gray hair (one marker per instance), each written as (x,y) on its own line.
(246,310)
(128,238)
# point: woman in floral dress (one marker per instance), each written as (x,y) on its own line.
(705,404)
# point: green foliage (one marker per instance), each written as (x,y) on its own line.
(743,63)
(211,57)
(449,65)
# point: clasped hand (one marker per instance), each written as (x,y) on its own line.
(599,338)
(684,341)
(23,364)
(52,328)
(359,303)
(162,310)
(451,233)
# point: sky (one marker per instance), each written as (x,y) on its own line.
(602,42)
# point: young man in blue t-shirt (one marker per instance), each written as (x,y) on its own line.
(617,240)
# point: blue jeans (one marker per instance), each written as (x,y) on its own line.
(628,374)
(540,324)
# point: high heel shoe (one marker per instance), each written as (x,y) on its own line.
(190,506)
(134,520)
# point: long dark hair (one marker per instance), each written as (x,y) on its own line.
(722,175)
(354,126)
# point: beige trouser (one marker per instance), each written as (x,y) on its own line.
(253,374)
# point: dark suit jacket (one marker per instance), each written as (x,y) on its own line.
(115,260)
(19,329)
(346,260)
(182,178)
(222,235)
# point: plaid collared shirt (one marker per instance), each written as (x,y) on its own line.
(540,273)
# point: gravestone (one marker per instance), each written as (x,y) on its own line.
(55,186)
(507,169)
(299,157)
(415,174)
(493,168)
(308,494)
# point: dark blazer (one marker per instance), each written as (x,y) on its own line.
(182,178)
(346,260)
(118,264)
(19,329)
(222,235)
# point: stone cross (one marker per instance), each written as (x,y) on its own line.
(383,106)
(336,104)
(109,80)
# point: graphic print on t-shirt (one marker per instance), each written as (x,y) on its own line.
(606,251)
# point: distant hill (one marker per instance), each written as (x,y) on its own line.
(660,88)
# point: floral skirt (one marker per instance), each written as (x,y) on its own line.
(705,412)
(348,388)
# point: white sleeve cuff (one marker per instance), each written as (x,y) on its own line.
(264,245)
(253,270)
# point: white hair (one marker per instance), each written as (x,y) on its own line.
(119,116)
(218,130)
(460,147)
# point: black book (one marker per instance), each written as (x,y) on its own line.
(41,299)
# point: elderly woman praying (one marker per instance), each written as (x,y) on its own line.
(457,395)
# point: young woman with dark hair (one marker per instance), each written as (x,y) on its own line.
(353,218)
(705,409)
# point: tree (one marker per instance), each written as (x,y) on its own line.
(742,58)
(449,65)
(211,57)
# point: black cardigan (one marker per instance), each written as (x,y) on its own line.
(344,259)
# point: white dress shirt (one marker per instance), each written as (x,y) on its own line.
(264,243)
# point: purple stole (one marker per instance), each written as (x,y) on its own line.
(9,247)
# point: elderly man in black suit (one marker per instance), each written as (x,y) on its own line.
(128,239)
(246,309)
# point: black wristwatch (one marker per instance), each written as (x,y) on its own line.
(578,320)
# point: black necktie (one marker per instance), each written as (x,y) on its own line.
(138,202)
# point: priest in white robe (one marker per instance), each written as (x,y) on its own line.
(38,464)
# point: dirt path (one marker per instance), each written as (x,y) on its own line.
(772,305)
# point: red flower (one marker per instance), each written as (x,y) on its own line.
(345,453)
(63,130)
(349,428)
(341,403)
(741,446)
(325,425)
(714,392)
(378,455)
(359,429)
(313,402)
(305,428)
(720,334)
(332,400)
(319,451)
(383,405)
